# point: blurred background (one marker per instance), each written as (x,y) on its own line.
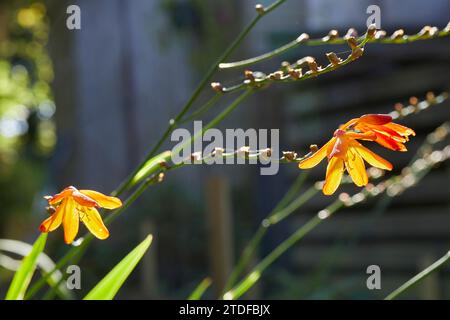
(82,107)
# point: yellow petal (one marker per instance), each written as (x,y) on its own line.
(103,201)
(71,220)
(335,169)
(317,157)
(93,221)
(356,168)
(53,222)
(402,130)
(372,158)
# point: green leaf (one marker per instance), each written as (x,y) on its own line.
(23,275)
(200,290)
(107,288)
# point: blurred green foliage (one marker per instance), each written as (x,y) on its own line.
(27,130)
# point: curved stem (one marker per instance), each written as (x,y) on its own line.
(280,214)
(125,184)
(254,276)
(323,41)
(420,276)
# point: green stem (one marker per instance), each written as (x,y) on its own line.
(255,274)
(216,120)
(202,110)
(124,185)
(280,212)
(200,290)
(317,42)
(414,280)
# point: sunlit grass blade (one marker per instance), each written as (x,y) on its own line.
(200,290)
(23,275)
(44,263)
(108,287)
(420,276)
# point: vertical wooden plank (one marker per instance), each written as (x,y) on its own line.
(149,270)
(219,231)
(429,288)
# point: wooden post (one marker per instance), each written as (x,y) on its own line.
(219,231)
(149,269)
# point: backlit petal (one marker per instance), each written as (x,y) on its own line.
(335,170)
(60,196)
(389,142)
(377,119)
(356,168)
(372,158)
(103,201)
(83,199)
(93,221)
(317,157)
(369,135)
(402,130)
(53,222)
(71,220)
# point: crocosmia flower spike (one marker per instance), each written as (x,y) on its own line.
(345,153)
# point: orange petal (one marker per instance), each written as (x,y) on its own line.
(372,158)
(53,222)
(335,170)
(402,130)
(356,168)
(93,221)
(389,142)
(71,220)
(377,119)
(369,135)
(317,157)
(84,200)
(60,196)
(103,201)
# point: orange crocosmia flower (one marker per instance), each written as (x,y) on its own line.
(73,205)
(345,153)
(389,134)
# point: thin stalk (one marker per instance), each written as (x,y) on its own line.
(200,289)
(216,120)
(323,41)
(272,219)
(202,110)
(422,275)
(125,184)
(255,274)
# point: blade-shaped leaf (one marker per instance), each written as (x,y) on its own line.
(23,275)
(107,288)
